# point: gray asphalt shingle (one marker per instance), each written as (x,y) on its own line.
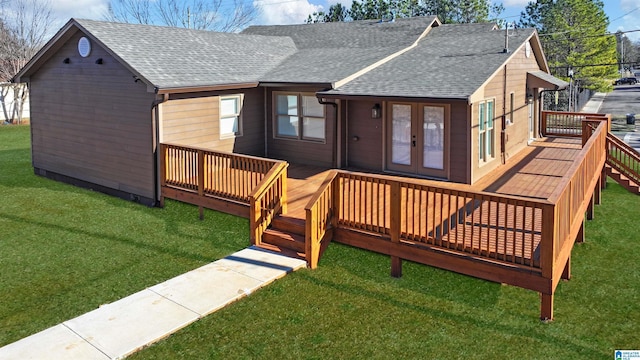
(329,52)
(452,61)
(173,57)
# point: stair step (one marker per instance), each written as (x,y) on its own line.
(283,251)
(288,224)
(284,239)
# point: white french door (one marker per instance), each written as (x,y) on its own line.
(417,139)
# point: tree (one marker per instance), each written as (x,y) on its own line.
(628,54)
(574,37)
(192,14)
(24,27)
(448,11)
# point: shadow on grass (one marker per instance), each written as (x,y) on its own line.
(119,239)
(537,333)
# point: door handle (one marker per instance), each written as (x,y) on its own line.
(413,141)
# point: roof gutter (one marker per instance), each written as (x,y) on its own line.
(335,127)
(193,89)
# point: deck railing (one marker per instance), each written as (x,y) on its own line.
(318,219)
(267,200)
(497,228)
(624,158)
(413,220)
(572,195)
(567,124)
(202,176)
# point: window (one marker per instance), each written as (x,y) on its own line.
(512,100)
(300,117)
(486,138)
(230,116)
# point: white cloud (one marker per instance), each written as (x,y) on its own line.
(281,12)
(82,9)
(518,3)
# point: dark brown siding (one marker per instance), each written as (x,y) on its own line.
(459,150)
(193,120)
(364,136)
(92,122)
(367,151)
(298,151)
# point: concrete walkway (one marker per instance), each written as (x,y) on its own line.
(116,330)
(594,104)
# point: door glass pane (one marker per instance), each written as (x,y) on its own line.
(401,134)
(433,137)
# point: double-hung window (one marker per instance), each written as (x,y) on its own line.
(486,134)
(299,116)
(230,116)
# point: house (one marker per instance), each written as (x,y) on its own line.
(410,96)
(214,119)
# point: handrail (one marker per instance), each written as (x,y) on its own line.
(623,157)
(211,173)
(576,186)
(319,216)
(268,199)
(567,124)
(441,216)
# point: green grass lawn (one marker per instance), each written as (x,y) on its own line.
(64,251)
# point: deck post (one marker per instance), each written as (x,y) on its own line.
(603,178)
(395,198)
(283,199)
(590,207)
(566,273)
(597,192)
(201,181)
(546,307)
(580,235)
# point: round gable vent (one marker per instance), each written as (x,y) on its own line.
(84,47)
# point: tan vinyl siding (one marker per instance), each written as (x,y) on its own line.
(92,122)
(193,120)
(517,134)
(302,151)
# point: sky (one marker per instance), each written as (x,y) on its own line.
(623,15)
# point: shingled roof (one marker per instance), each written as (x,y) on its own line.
(414,57)
(329,52)
(173,57)
(453,61)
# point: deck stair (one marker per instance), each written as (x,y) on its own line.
(626,183)
(623,164)
(286,235)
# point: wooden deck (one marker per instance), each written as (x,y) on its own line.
(516,225)
(534,172)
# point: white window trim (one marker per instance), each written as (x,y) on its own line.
(300,114)
(238,115)
(487,154)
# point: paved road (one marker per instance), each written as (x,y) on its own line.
(624,99)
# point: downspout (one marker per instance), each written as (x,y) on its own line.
(503,131)
(156,131)
(335,128)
